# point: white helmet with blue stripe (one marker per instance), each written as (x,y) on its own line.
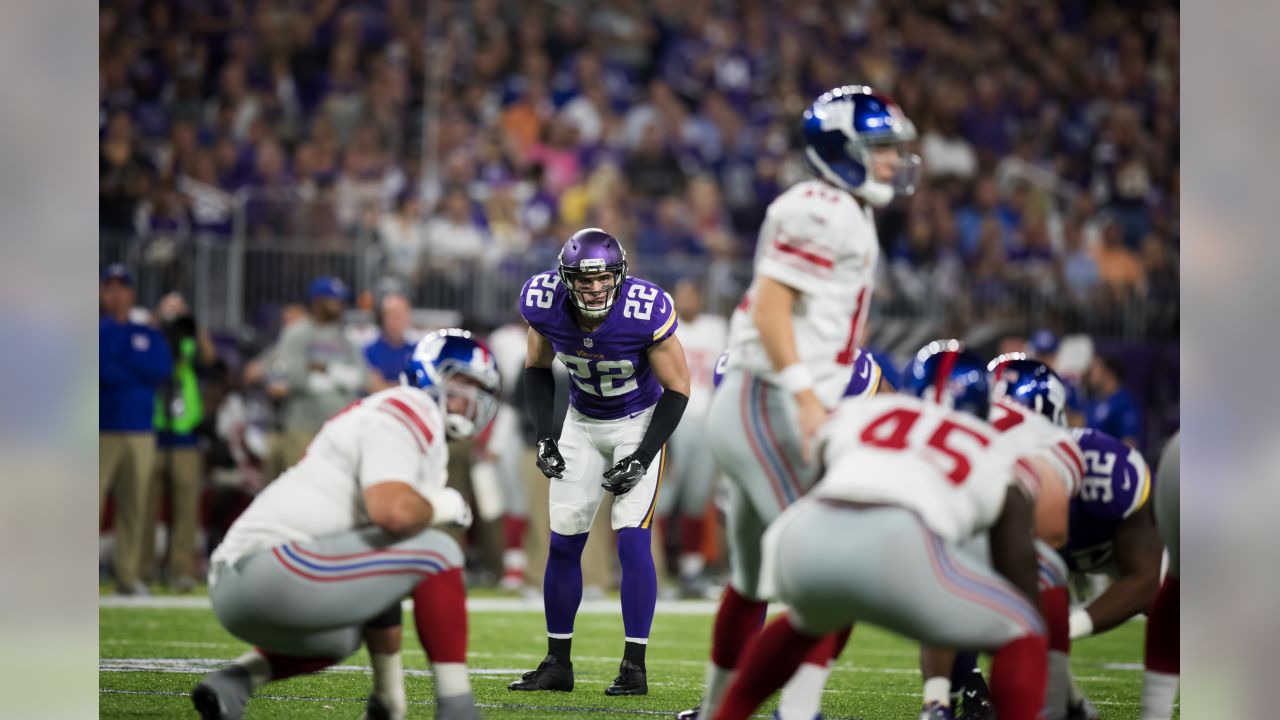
(842,126)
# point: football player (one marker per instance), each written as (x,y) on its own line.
(630,384)
(1112,532)
(1029,405)
(794,337)
(906,480)
(323,556)
(692,471)
(1160,683)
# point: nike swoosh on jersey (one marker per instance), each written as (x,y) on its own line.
(866,370)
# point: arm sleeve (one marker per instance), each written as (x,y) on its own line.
(666,417)
(540,396)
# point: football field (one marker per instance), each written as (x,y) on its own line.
(152,652)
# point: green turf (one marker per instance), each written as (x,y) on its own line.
(876,678)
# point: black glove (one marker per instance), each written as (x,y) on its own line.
(625,475)
(549,460)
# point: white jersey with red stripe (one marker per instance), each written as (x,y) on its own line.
(951,468)
(393,435)
(819,241)
(1038,436)
(703,339)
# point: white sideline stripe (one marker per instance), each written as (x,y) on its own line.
(475,605)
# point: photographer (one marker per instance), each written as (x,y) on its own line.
(179,411)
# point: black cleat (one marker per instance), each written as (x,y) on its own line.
(550,675)
(630,681)
(222,695)
(690,714)
(375,709)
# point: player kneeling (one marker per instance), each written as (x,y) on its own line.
(323,557)
(906,480)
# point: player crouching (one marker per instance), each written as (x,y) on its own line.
(322,558)
(906,480)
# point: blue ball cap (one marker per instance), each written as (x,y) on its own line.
(327,287)
(116,272)
(1044,342)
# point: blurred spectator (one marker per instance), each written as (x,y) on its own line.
(1112,408)
(1079,268)
(265,388)
(403,237)
(133,360)
(125,175)
(452,234)
(651,168)
(179,412)
(1118,266)
(389,354)
(973,216)
(324,371)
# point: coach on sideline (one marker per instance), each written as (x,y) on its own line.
(133,359)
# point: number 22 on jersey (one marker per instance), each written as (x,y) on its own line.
(602,378)
(948,439)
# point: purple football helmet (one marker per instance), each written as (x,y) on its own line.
(591,251)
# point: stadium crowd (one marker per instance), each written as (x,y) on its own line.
(1049,133)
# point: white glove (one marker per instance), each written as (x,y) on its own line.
(321,383)
(448,507)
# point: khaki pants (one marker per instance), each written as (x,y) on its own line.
(125,462)
(185,473)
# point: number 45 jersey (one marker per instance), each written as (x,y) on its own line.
(609,366)
(951,468)
(1116,485)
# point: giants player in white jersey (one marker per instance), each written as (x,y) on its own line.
(794,336)
(322,558)
(1028,401)
(906,480)
(682,502)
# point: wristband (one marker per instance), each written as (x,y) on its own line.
(1081,624)
(795,378)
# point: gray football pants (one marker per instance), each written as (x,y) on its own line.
(835,565)
(311,599)
(754,439)
(691,470)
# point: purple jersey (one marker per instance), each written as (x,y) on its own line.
(1116,484)
(609,366)
(865,380)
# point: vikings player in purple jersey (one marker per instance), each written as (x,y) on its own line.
(616,335)
(1112,532)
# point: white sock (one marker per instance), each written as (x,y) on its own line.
(1158,693)
(938,690)
(451,679)
(1059,688)
(513,559)
(257,666)
(388,682)
(718,681)
(801,697)
(692,565)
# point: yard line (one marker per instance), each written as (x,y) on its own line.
(428,703)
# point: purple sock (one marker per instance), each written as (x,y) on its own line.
(639,581)
(562,584)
